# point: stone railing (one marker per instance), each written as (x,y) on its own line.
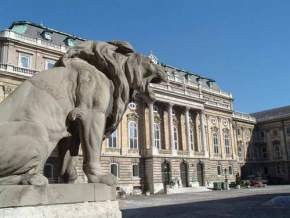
(218,104)
(9,68)
(173,89)
(165,151)
(33,41)
(183,80)
(182,153)
(244,116)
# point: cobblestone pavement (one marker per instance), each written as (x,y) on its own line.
(233,203)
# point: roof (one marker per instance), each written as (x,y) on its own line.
(275,113)
(35,31)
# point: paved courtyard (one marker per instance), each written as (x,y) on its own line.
(233,203)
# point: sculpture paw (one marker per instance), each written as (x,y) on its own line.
(36,179)
(107,179)
(76,113)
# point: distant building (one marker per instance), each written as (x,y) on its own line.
(269,152)
(190,134)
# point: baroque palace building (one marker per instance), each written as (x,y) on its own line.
(190,134)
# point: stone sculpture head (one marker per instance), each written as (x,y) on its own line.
(140,72)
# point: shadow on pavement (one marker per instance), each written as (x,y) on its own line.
(249,206)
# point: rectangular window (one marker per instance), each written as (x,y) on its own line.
(115,169)
(264,152)
(219,170)
(227,143)
(135,170)
(24,60)
(112,140)
(157,140)
(133,135)
(191,136)
(240,149)
(230,170)
(175,137)
(288,130)
(215,143)
(49,63)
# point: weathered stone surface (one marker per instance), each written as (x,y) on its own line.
(28,195)
(106,209)
(80,100)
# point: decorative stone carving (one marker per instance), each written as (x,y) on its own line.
(82,99)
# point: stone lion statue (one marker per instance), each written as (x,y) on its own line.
(78,102)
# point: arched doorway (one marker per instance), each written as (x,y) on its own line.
(166,173)
(184,173)
(200,173)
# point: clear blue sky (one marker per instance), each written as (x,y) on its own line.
(244,45)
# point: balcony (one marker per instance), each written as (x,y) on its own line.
(32,41)
(24,72)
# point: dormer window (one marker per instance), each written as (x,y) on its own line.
(19,28)
(209,83)
(47,35)
(70,42)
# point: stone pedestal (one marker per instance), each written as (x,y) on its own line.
(59,200)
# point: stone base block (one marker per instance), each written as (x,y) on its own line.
(59,201)
(105,209)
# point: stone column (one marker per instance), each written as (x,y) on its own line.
(154,150)
(187,128)
(221,139)
(233,142)
(202,131)
(171,133)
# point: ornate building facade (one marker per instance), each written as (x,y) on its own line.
(268,154)
(190,134)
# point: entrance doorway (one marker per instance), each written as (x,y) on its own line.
(184,173)
(200,173)
(166,173)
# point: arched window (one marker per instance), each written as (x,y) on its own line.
(112,140)
(175,137)
(133,135)
(157,134)
(227,142)
(215,142)
(115,169)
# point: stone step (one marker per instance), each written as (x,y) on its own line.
(187,190)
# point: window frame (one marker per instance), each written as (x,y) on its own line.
(117,165)
(135,135)
(219,170)
(215,141)
(27,55)
(49,61)
(157,135)
(175,137)
(227,143)
(113,138)
(135,164)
